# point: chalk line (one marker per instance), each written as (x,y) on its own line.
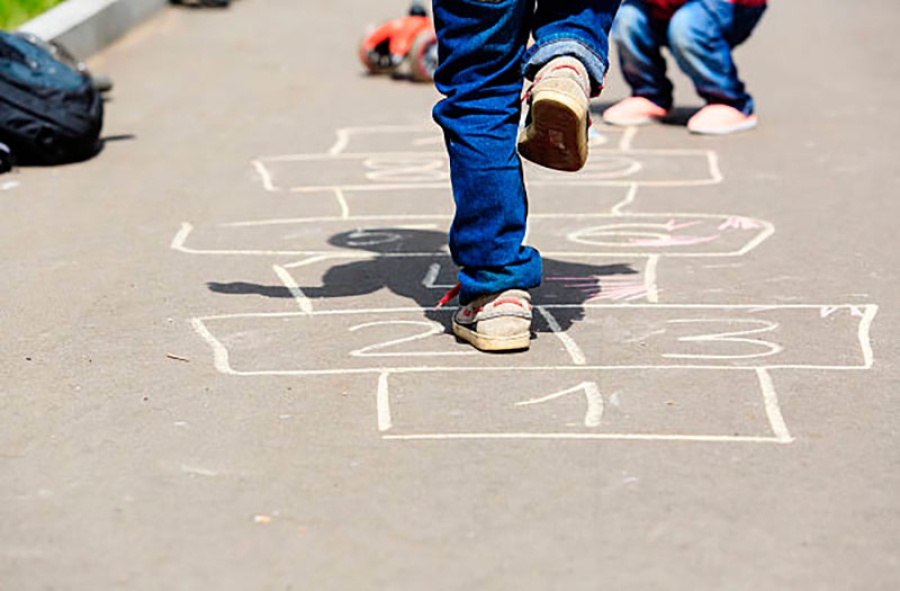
(594,413)
(305,262)
(714,169)
(618,307)
(265,176)
(865,327)
(342,203)
(627,138)
(344,134)
(343,139)
(650,279)
(588,436)
(773,409)
(431,275)
(629,199)
(383,402)
(448,217)
(220,353)
(180,237)
(303,302)
(572,348)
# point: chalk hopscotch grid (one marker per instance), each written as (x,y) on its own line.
(339,151)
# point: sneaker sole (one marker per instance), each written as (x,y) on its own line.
(557,136)
(484,343)
(750,124)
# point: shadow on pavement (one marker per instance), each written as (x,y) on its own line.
(403,259)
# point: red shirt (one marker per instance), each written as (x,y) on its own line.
(666,8)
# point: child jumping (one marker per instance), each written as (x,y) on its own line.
(485,57)
(700,35)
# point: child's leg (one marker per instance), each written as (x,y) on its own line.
(639,39)
(576,28)
(481,45)
(568,63)
(702,34)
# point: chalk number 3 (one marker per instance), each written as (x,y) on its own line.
(739,337)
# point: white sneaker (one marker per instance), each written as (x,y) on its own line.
(496,322)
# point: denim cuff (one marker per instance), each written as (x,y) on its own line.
(541,53)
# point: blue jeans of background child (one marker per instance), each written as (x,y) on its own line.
(483,58)
(700,36)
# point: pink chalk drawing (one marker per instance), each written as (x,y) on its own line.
(737,222)
(595,287)
(648,234)
(827,311)
(673,240)
(672,225)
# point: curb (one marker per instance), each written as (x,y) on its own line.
(85,27)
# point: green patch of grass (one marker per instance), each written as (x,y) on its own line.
(15,12)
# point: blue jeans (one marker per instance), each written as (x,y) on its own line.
(483,61)
(700,36)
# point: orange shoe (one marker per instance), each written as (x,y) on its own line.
(635,110)
(720,120)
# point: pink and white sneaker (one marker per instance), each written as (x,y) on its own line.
(720,120)
(555,134)
(635,110)
(496,322)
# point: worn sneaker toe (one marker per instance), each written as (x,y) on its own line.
(496,322)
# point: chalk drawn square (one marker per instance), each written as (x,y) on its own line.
(300,173)
(411,138)
(387,139)
(648,234)
(727,336)
(335,237)
(666,404)
(303,173)
(556,235)
(675,168)
(586,336)
(542,199)
(352,341)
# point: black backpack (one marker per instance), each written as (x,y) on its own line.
(50,110)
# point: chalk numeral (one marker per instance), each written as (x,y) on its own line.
(592,395)
(732,336)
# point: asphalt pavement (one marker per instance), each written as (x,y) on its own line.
(222,367)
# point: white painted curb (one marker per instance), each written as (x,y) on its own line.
(85,27)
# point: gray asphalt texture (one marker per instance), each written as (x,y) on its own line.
(194,402)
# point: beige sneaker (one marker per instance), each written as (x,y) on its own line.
(555,134)
(496,322)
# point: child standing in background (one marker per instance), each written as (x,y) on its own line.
(700,35)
